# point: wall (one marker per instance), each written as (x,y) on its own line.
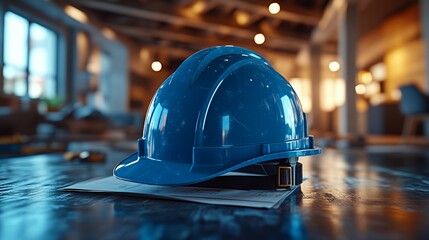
(116,79)
(396,42)
(405,64)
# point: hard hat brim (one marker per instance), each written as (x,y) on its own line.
(152,171)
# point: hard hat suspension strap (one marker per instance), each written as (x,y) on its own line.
(289,173)
(282,174)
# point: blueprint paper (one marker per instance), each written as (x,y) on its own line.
(231,197)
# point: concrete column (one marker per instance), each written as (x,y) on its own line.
(315,76)
(424,18)
(72,67)
(347,36)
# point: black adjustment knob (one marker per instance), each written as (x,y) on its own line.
(284,176)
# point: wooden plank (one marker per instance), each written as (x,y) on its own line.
(198,41)
(284,14)
(183,21)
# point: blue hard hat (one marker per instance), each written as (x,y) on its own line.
(223,109)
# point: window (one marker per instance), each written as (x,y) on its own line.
(30,52)
(15,54)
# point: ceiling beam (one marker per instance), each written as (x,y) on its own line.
(196,41)
(188,22)
(170,50)
(327,27)
(328,24)
(284,14)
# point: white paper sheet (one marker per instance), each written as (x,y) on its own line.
(242,198)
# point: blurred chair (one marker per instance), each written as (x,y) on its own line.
(414,106)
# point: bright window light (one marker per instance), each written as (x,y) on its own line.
(29,66)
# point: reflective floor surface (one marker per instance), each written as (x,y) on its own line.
(372,193)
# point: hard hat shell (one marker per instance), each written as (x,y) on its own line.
(224,108)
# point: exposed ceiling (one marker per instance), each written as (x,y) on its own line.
(190,25)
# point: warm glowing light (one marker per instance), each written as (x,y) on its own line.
(340,92)
(333,93)
(373,88)
(274,8)
(302,87)
(259,38)
(327,93)
(94,64)
(334,66)
(109,33)
(76,14)
(145,54)
(366,77)
(199,7)
(156,66)
(361,105)
(377,99)
(396,94)
(360,89)
(378,72)
(242,18)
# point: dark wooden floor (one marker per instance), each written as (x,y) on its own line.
(377,193)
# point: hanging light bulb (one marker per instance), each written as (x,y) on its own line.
(334,66)
(360,89)
(156,66)
(274,8)
(242,18)
(259,38)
